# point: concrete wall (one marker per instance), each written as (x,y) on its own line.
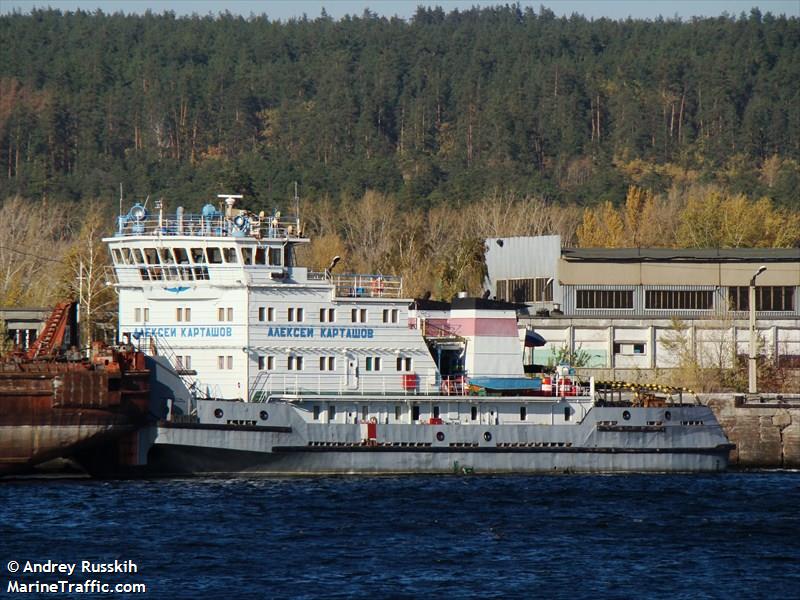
(640,343)
(766,434)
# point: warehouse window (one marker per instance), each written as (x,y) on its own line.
(778,298)
(605,299)
(679,299)
(536,289)
(629,348)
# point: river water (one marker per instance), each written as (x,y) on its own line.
(733,535)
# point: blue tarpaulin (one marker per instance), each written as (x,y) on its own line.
(507,383)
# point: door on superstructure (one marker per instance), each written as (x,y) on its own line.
(352,371)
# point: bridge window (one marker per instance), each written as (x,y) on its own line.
(415,413)
(523,413)
(327,363)
(247,256)
(373,363)
(294,363)
(261,256)
(138,255)
(266,363)
(214,255)
(390,315)
(225,362)
(183,363)
(331,413)
(151,256)
(295,315)
(117,256)
(473,413)
(266,313)
(183,314)
(327,315)
(181,256)
(230,255)
(404,363)
(275,257)
(198,256)
(166,255)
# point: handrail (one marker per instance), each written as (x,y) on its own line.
(214,226)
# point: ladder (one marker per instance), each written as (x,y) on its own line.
(256,392)
(160,347)
(53,332)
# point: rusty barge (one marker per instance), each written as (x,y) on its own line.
(54,403)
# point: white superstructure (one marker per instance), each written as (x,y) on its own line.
(221,294)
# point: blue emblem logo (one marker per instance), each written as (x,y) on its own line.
(177,290)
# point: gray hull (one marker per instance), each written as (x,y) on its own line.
(185,460)
(661,440)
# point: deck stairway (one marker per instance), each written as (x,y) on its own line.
(160,347)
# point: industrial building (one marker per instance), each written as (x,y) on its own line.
(637,309)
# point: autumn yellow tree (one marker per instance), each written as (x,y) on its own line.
(84,273)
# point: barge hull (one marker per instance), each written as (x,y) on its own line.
(168,460)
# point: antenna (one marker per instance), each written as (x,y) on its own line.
(120,197)
(296,205)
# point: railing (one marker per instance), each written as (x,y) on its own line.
(433,330)
(266,385)
(160,347)
(213,226)
(368,286)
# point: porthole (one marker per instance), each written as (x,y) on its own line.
(440,436)
(626,414)
(264,415)
(218,413)
(667,415)
(487,436)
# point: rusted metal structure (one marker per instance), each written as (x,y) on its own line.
(55,403)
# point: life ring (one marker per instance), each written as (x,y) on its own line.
(377,286)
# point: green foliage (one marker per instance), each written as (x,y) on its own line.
(444,108)
(576,358)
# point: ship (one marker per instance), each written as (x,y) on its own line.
(267,367)
(57,404)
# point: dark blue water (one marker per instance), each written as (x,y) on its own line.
(735,535)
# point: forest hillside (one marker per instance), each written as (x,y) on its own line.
(410,139)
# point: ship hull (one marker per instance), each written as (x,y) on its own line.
(286,444)
(169,460)
(53,410)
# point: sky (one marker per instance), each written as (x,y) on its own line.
(287,9)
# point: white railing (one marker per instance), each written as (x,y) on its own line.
(400,384)
(213,226)
(352,285)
